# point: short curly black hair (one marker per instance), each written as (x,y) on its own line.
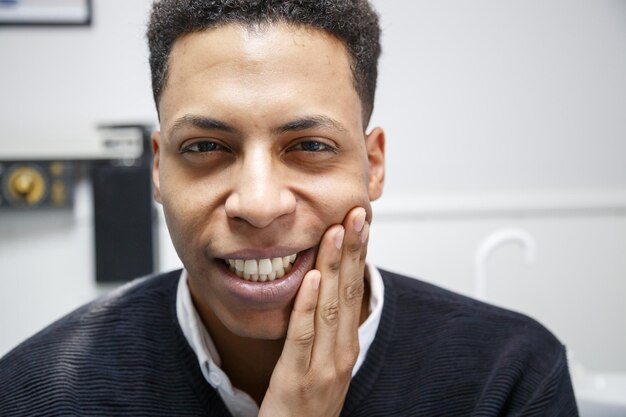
(353,22)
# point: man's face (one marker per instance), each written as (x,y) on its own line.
(261,149)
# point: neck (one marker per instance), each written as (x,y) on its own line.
(249,362)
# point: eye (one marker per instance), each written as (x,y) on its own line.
(204,146)
(314,146)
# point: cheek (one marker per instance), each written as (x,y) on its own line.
(334,195)
(183,212)
(187,198)
(176,227)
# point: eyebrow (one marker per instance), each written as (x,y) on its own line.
(202,122)
(309,122)
(303,123)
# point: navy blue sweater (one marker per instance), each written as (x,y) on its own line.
(436,353)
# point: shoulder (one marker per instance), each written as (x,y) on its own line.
(455,311)
(462,330)
(94,345)
(432,342)
(142,297)
(134,302)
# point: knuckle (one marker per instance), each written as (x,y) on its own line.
(305,387)
(304,339)
(334,267)
(308,308)
(344,370)
(354,353)
(328,377)
(330,312)
(354,247)
(363,254)
(348,359)
(353,293)
(323,377)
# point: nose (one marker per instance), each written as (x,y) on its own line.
(259,195)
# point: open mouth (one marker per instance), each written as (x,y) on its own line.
(261,270)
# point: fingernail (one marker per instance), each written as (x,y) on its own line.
(366,232)
(315,281)
(339,238)
(359,221)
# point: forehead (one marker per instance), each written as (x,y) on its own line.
(277,63)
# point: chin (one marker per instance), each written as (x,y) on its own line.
(268,326)
(265,334)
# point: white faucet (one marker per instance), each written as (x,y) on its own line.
(488,245)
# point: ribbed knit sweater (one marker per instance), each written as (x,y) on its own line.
(436,353)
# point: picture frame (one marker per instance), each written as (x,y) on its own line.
(45,12)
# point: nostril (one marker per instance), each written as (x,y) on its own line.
(258,209)
(231,205)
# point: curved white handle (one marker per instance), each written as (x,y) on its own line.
(488,245)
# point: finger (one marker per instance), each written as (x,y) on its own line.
(365,234)
(351,282)
(296,353)
(326,318)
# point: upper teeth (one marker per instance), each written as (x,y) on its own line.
(261,269)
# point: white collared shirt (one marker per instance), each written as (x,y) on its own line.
(238,402)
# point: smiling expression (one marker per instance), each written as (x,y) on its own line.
(261,149)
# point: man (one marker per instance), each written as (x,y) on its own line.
(266,169)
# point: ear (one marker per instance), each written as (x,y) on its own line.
(156,156)
(375,146)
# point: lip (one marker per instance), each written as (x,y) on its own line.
(260,254)
(280,290)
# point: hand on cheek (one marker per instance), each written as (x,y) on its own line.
(313,373)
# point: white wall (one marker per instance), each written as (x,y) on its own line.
(57,84)
(496,113)
(515,95)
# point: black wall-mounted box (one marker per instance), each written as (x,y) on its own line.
(124,217)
